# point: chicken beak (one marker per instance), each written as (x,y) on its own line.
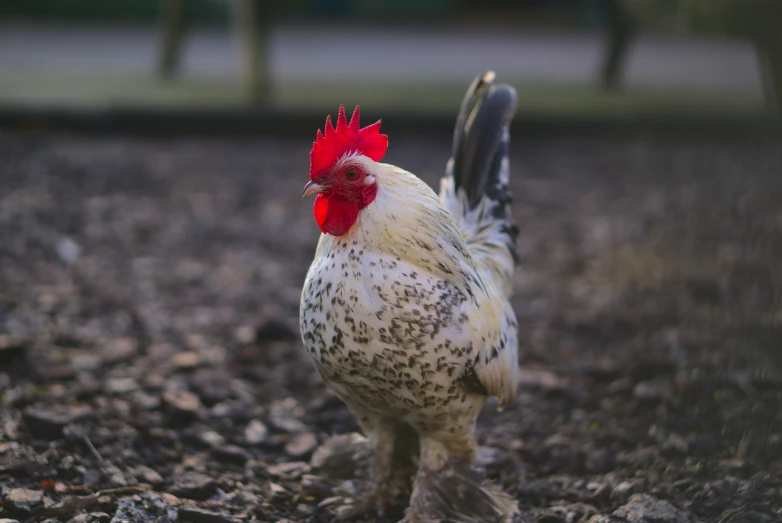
(312,188)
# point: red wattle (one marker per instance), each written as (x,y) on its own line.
(334,215)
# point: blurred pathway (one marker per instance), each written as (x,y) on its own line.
(88,64)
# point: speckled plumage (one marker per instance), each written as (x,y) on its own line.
(406,315)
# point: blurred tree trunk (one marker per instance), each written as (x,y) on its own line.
(620,34)
(172,24)
(252,36)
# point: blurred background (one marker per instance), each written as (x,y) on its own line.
(153,245)
(598,59)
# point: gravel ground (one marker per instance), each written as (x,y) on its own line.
(151,369)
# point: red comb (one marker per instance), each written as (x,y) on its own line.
(332,144)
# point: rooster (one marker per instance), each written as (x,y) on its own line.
(405,311)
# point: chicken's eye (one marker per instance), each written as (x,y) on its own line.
(351,174)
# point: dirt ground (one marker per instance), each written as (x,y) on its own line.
(151,367)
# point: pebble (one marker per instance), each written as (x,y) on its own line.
(193,485)
(315,486)
(68,250)
(144,508)
(244,334)
(182,402)
(542,380)
(620,386)
(231,454)
(120,350)
(21,501)
(301,444)
(275,491)
(600,461)
(145,401)
(605,518)
(121,385)
(255,432)
(290,470)
(92,517)
(199,515)
(675,445)
(148,475)
(287,422)
(48,423)
(624,489)
(212,385)
(650,391)
(538,490)
(642,508)
(212,438)
(186,360)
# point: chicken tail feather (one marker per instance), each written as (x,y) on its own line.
(475,187)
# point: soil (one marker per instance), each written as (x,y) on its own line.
(151,367)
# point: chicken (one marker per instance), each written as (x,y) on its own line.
(405,311)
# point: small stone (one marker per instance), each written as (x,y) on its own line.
(643,508)
(212,438)
(199,515)
(255,432)
(605,518)
(145,508)
(675,445)
(183,403)
(212,385)
(120,350)
(92,517)
(145,401)
(624,489)
(286,415)
(21,501)
(68,250)
(550,516)
(244,334)
(242,498)
(287,423)
(275,491)
(301,444)
(542,380)
(650,391)
(48,423)
(193,485)
(231,454)
(620,386)
(116,477)
(148,475)
(186,360)
(121,385)
(290,470)
(315,486)
(733,464)
(600,461)
(304,510)
(538,490)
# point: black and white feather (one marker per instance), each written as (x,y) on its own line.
(475,187)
